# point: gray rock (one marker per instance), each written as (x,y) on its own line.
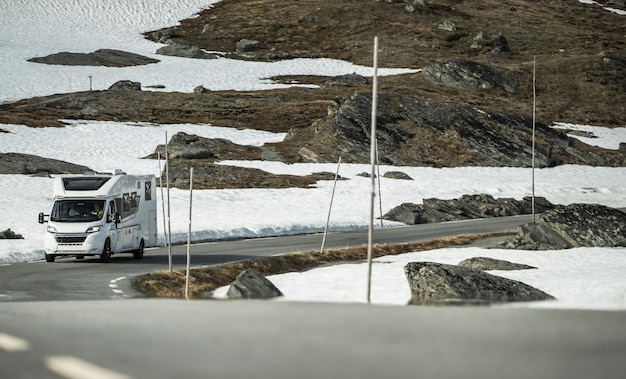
(407,213)
(25,164)
(486,264)
(250,284)
(246,45)
(208,28)
(397,175)
(575,225)
(348,80)
(465,208)
(8,234)
(447,25)
(467,74)
(185,51)
(164,34)
(200,89)
(189,146)
(125,85)
(588,225)
(442,284)
(102,57)
(495,43)
(480,137)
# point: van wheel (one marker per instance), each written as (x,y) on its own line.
(105,257)
(138,254)
(50,258)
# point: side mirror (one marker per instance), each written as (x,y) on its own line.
(116,218)
(42,218)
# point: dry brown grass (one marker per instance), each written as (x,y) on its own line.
(204,280)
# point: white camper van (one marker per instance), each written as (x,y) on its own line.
(101,214)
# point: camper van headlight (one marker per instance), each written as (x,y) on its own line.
(93,229)
(51,229)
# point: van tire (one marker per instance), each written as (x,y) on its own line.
(105,257)
(50,258)
(138,254)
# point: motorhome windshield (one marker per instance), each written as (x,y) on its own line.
(77,210)
(84,183)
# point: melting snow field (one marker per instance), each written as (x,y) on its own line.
(591,278)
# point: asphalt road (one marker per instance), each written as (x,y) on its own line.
(152,339)
(88,335)
(88,279)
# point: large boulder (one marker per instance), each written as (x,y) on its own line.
(250,284)
(575,225)
(468,74)
(443,284)
(25,164)
(125,86)
(486,264)
(185,51)
(102,57)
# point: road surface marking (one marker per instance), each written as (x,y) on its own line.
(75,368)
(113,285)
(10,343)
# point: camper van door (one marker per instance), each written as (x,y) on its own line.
(114,230)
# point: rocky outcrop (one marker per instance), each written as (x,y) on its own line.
(442,284)
(189,146)
(465,208)
(575,225)
(348,80)
(468,74)
(187,150)
(102,57)
(25,164)
(250,284)
(413,131)
(486,264)
(8,234)
(208,175)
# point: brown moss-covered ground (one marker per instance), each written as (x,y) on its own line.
(579,50)
(205,280)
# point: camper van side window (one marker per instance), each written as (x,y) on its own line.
(148,191)
(134,201)
(111,211)
(130,204)
(126,203)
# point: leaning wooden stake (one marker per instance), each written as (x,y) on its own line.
(370,234)
(330,207)
(169,222)
(162,200)
(189,234)
(533,148)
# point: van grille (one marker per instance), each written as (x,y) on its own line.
(70,239)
